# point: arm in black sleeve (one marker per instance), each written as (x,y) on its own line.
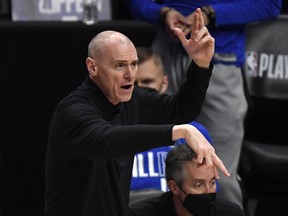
(181,108)
(191,96)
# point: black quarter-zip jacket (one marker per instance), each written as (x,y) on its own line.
(92,143)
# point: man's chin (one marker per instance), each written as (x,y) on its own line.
(126,98)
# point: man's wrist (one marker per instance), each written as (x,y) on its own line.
(203,65)
(179,132)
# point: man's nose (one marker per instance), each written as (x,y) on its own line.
(128,73)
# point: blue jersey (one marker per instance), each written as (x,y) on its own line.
(149,166)
(231,18)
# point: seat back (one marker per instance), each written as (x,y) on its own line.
(265,147)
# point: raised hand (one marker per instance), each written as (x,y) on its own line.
(201,45)
(203,149)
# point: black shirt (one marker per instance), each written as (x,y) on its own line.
(163,206)
(92,143)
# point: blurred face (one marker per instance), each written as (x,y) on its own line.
(150,75)
(115,71)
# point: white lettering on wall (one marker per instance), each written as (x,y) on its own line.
(148,166)
(163,184)
(141,167)
(151,167)
(62,6)
(268,66)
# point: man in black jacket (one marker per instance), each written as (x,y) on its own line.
(96,130)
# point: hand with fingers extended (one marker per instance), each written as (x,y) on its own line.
(203,149)
(189,19)
(201,45)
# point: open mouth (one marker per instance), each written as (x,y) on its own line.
(126,86)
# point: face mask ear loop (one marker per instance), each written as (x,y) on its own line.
(182,191)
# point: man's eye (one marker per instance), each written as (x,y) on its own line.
(120,66)
(148,81)
(134,65)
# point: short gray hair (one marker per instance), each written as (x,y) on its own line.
(175,161)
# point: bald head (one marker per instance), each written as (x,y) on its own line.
(112,64)
(106,39)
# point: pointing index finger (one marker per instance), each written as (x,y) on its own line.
(196,22)
(218,163)
(201,18)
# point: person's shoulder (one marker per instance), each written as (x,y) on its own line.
(76,96)
(156,205)
(80,98)
(145,89)
(142,91)
(228,208)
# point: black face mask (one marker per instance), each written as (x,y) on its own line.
(200,204)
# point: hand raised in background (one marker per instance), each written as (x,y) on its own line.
(174,19)
(201,45)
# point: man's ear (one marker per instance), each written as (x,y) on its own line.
(164,84)
(91,67)
(173,187)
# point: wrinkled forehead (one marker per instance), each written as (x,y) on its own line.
(195,171)
(192,166)
(121,52)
